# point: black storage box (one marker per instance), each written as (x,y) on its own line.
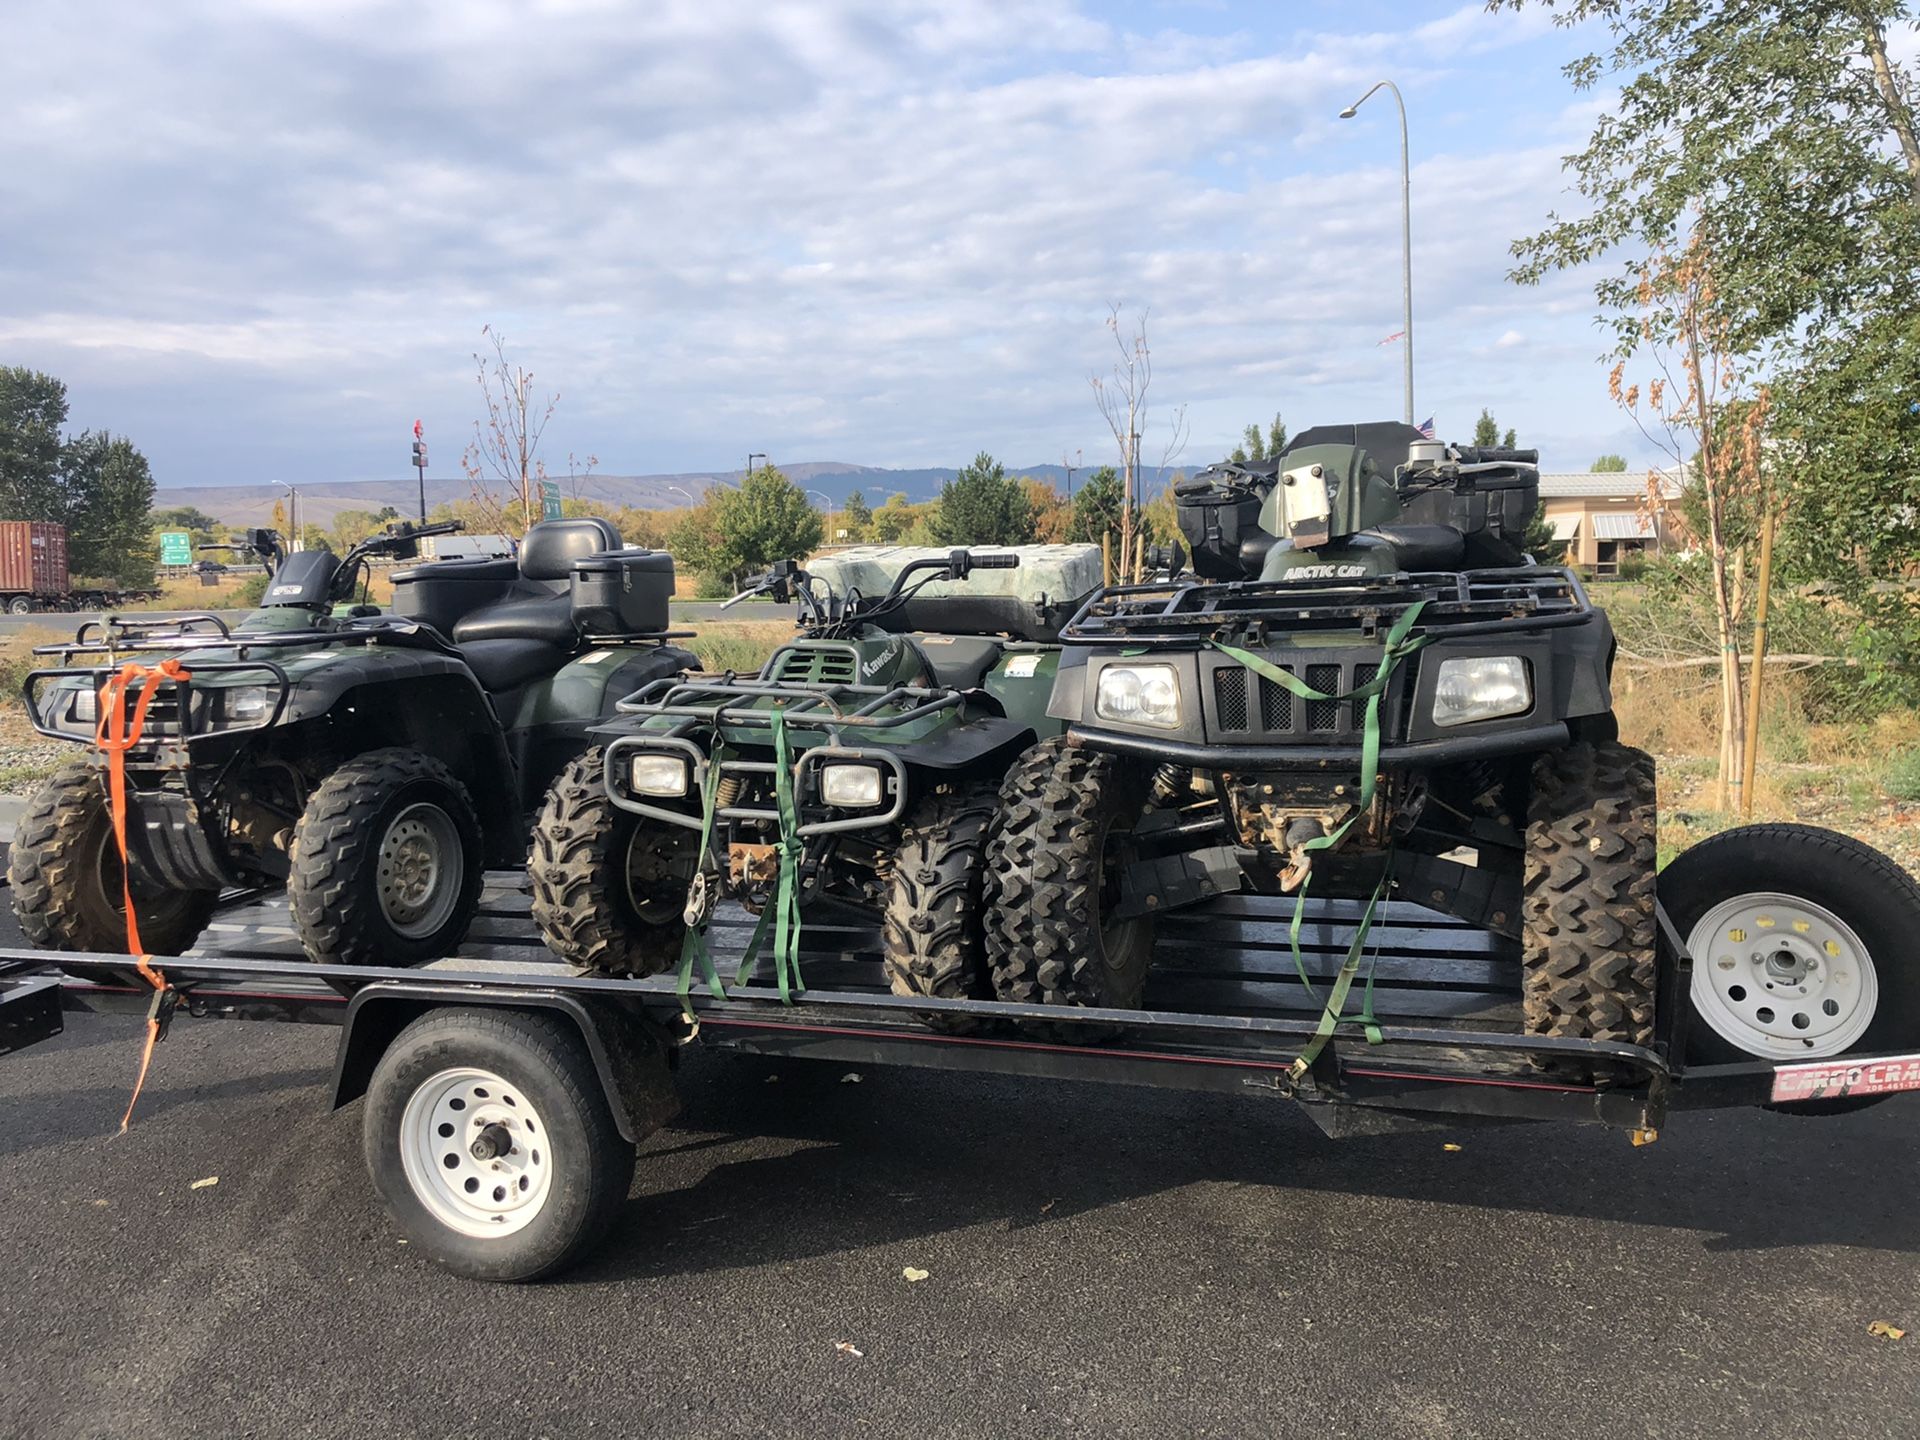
(622,592)
(442,593)
(1221,523)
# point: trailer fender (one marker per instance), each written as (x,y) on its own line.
(632,1061)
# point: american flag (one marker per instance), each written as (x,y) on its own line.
(1425,427)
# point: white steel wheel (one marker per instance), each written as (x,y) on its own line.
(421,870)
(475,1152)
(1782,977)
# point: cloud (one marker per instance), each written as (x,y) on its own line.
(867,230)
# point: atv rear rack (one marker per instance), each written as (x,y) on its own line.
(1466,603)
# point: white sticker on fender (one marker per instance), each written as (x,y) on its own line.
(1829,1079)
(1023,666)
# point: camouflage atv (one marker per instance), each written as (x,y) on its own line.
(861,764)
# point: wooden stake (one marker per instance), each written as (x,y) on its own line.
(1139,558)
(1759,664)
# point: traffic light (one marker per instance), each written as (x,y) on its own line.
(419,454)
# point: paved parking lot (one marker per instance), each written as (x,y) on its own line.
(1101,1261)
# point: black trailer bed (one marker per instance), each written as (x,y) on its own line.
(1225,1009)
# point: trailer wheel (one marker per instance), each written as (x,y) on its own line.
(489,1138)
(20,605)
(64,870)
(386,865)
(609,886)
(1588,928)
(933,933)
(1801,940)
(1053,860)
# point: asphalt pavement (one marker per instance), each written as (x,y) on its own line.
(1100,1261)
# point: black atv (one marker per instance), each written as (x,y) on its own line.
(373,763)
(1364,674)
(860,765)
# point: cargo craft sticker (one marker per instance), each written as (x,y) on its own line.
(1830,1079)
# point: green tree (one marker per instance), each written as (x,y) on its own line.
(1758,176)
(1609,465)
(1258,446)
(33,407)
(983,506)
(97,485)
(1096,507)
(109,494)
(738,533)
(856,515)
(184,517)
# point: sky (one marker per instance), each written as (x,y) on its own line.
(262,237)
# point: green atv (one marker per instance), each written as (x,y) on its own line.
(861,764)
(372,763)
(1368,687)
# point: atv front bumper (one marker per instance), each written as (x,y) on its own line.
(816,816)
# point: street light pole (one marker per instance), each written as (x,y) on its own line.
(293,515)
(1406,232)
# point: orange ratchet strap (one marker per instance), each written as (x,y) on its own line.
(117,734)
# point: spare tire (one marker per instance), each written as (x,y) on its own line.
(1802,944)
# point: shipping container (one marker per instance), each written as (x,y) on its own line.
(33,558)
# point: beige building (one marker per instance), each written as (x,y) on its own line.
(1604,517)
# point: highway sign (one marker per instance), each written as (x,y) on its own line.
(549,499)
(176,547)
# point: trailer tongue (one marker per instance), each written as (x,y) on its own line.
(552,1076)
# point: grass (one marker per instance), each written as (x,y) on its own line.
(1859,777)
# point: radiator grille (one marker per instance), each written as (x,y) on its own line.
(1323,714)
(1230,697)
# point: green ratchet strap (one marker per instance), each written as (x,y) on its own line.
(693,948)
(1330,1017)
(783,914)
(1399,643)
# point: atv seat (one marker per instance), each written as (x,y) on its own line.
(539,605)
(530,630)
(1425,547)
(958,661)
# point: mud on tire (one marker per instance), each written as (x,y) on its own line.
(933,930)
(64,870)
(1046,856)
(609,886)
(342,844)
(1588,932)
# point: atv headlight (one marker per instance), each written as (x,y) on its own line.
(660,775)
(855,786)
(1480,687)
(1139,695)
(244,704)
(86,705)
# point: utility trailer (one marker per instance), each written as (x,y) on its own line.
(505,1096)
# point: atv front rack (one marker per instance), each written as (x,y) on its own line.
(1464,603)
(832,717)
